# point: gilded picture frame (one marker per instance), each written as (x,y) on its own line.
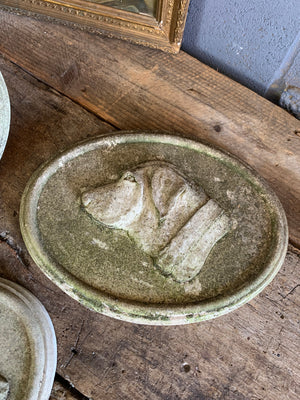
(162,28)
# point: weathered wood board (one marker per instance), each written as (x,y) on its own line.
(60,392)
(43,123)
(133,87)
(251,353)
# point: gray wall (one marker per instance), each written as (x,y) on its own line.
(256,42)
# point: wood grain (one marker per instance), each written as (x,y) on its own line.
(164,30)
(132,87)
(65,392)
(249,354)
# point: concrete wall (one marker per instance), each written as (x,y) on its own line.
(255,42)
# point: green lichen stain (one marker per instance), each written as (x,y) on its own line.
(16,360)
(104,266)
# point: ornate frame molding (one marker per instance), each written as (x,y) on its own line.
(164,31)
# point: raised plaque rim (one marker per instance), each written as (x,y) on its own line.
(129,310)
(40,330)
(4,114)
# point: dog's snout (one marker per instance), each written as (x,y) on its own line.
(115,204)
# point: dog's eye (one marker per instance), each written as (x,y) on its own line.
(129,177)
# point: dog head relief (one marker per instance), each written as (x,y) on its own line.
(169,218)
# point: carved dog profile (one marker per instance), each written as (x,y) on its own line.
(170,219)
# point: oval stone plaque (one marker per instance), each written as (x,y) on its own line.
(4,114)
(27,345)
(152,228)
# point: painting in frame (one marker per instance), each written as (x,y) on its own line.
(154,23)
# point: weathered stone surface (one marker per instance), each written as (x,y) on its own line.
(27,345)
(249,353)
(4,388)
(175,224)
(4,114)
(109,222)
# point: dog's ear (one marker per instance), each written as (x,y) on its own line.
(165,185)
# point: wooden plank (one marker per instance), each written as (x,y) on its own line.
(133,87)
(43,123)
(251,353)
(61,392)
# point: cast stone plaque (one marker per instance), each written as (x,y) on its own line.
(27,345)
(153,228)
